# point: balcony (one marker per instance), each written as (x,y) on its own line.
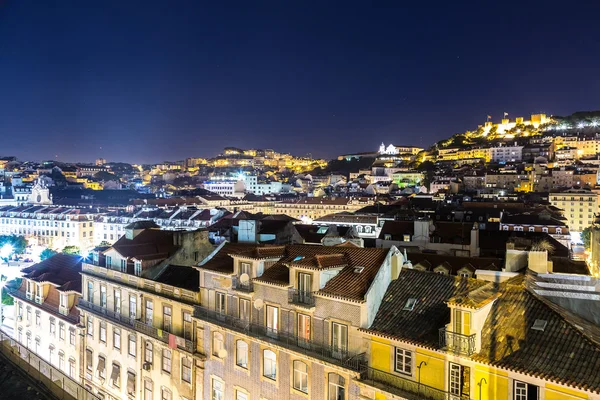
(39,299)
(402,387)
(301,298)
(182,343)
(240,286)
(457,343)
(315,348)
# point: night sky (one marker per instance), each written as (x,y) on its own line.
(147,81)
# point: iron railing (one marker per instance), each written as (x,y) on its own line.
(301,297)
(400,386)
(457,343)
(333,354)
(237,284)
(149,330)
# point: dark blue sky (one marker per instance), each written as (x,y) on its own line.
(150,81)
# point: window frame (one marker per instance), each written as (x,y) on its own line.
(301,375)
(406,358)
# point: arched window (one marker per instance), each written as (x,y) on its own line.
(300,380)
(269,364)
(241,354)
(218,344)
(336,387)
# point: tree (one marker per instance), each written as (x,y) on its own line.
(586,237)
(47,253)
(428,170)
(71,250)
(7,299)
(104,243)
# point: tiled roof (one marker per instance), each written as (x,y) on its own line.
(141,225)
(61,270)
(148,243)
(310,233)
(344,218)
(560,353)
(181,276)
(430,313)
(397,229)
(221,261)
(531,219)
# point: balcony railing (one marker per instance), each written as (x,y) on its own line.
(457,343)
(237,284)
(182,343)
(301,297)
(400,386)
(335,355)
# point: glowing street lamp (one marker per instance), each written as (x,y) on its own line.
(6,251)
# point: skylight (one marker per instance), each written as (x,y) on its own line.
(539,325)
(358,270)
(410,304)
(298,258)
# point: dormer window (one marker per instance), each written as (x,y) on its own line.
(124,265)
(138,268)
(407,238)
(246,268)
(64,300)
(387,236)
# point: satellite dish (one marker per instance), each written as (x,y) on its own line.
(244,278)
(226,283)
(222,353)
(258,304)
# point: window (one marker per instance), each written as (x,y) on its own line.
(304,284)
(115,375)
(90,326)
(220,303)
(217,343)
(38,318)
(117,338)
(241,354)
(165,394)
(245,269)
(187,325)
(272,320)
(336,387)
(149,312)
(148,354)
(103,296)
(525,391)
(72,367)
(101,368)
(52,327)
(28,314)
(410,304)
(103,332)
(186,370)
(90,291)
(51,355)
(239,395)
(132,306)
(403,362)
(89,359)
(303,329)
(132,344)
(459,380)
(462,322)
(123,265)
(72,337)
(218,389)
(339,339)
(148,389)
(300,380)
(130,383)
(117,297)
(137,268)
(269,364)
(167,318)
(166,360)
(244,310)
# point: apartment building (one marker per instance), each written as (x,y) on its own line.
(137,305)
(579,207)
(50,226)
(444,337)
(282,322)
(506,153)
(47,320)
(315,207)
(111,226)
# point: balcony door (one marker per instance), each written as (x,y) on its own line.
(339,339)
(459,381)
(304,287)
(303,330)
(149,312)
(272,321)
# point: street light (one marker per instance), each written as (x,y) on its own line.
(6,251)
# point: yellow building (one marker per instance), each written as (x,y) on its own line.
(444,337)
(579,207)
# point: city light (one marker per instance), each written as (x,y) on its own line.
(6,251)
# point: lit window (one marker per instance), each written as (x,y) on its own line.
(269,364)
(336,387)
(241,354)
(300,380)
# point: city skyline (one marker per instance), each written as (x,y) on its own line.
(144,84)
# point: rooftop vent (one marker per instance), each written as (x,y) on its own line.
(358,270)
(410,304)
(539,325)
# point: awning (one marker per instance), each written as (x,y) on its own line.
(130,383)
(115,376)
(101,364)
